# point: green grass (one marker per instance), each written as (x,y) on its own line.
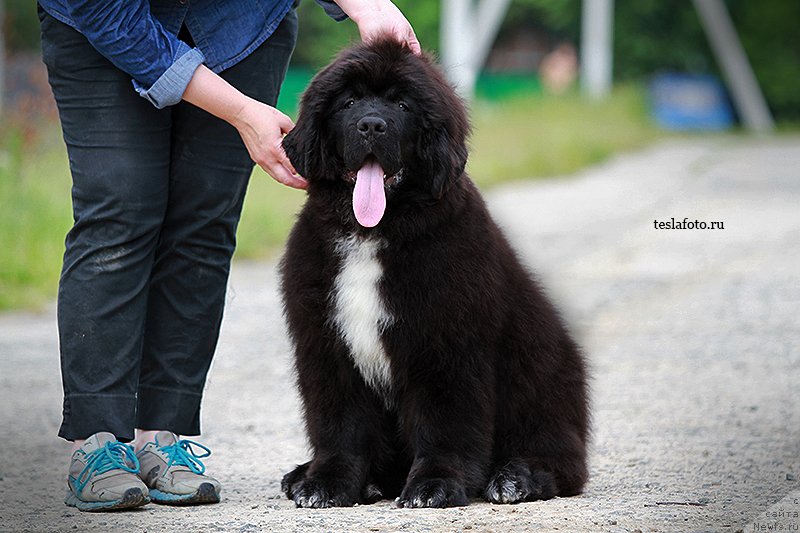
(269,211)
(520,138)
(554,135)
(35,216)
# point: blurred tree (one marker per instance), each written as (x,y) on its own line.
(21,25)
(560,18)
(654,35)
(320,37)
(649,35)
(657,35)
(768,30)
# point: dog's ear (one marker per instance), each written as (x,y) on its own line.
(306,143)
(442,146)
(303,146)
(443,149)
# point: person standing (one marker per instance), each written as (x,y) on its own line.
(165,105)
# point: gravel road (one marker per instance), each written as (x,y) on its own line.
(693,337)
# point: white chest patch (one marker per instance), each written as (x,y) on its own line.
(359,312)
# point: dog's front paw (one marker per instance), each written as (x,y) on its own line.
(320,492)
(515,483)
(435,492)
(291,479)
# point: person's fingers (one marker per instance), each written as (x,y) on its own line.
(413,43)
(284,122)
(273,164)
(283,158)
(276,163)
(283,175)
(262,134)
(296,182)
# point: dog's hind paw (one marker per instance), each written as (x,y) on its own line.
(371,493)
(515,483)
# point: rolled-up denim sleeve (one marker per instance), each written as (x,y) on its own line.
(128,35)
(333,11)
(168,89)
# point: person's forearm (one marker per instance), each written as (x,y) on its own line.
(210,92)
(355,9)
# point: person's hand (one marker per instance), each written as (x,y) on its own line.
(376,18)
(262,129)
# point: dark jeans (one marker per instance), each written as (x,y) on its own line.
(156,198)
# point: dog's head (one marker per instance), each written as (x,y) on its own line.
(383,123)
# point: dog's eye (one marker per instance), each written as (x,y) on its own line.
(349,103)
(403,106)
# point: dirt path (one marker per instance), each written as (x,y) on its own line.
(693,337)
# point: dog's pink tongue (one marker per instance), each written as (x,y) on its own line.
(369,200)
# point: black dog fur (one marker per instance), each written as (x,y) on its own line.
(487,395)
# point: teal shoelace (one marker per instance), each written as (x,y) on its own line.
(114,455)
(182,454)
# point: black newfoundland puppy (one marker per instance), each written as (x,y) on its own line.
(431,366)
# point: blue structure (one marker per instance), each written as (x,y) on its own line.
(690,102)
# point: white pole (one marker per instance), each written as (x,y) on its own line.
(490,15)
(596,47)
(746,94)
(456,28)
(468,32)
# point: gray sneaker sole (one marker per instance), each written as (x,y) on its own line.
(130,500)
(204,494)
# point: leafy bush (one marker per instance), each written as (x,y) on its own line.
(320,37)
(21,26)
(653,35)
(769,35)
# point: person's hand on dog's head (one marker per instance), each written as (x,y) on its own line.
(378,18)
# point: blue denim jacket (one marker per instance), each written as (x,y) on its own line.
(140,36)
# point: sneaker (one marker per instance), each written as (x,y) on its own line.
(174,473)
(102,476)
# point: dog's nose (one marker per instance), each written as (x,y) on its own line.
(371,126)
